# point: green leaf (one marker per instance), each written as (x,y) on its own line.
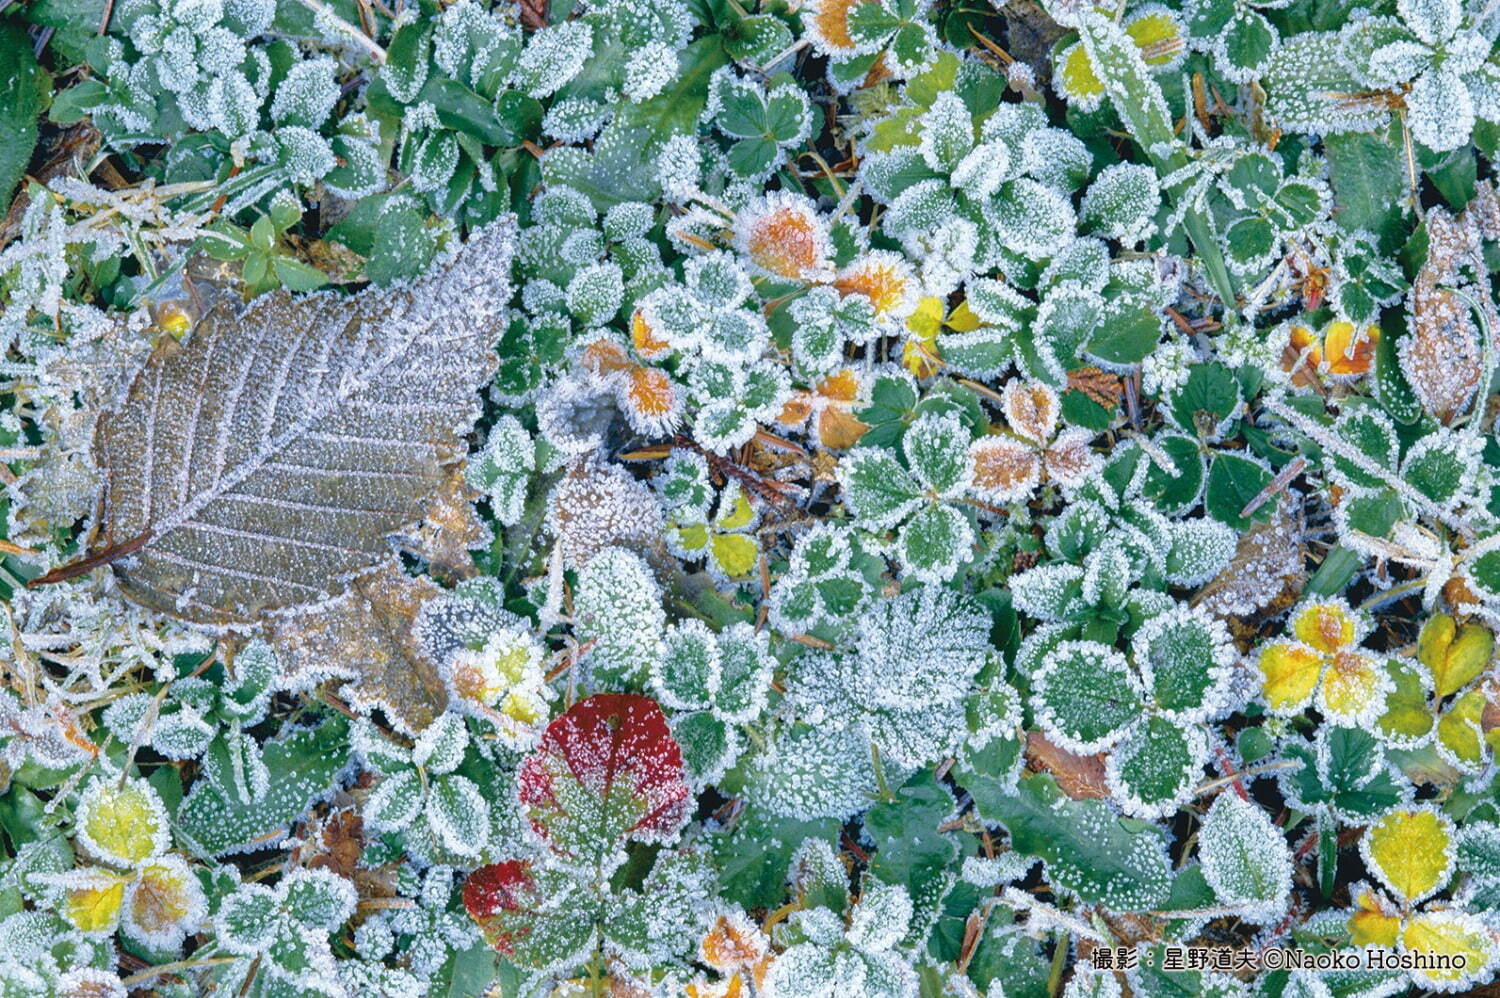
(1245,858)
(1369,184)
(1233,481)
(303,766)
(23,89)
(1118,862)
(878,490)
(1127,335)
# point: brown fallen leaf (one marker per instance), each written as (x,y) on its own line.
(1441,357)
(364,637)
(534,13)
(1079,776)
(450,531)
(1268,566)
(267,462)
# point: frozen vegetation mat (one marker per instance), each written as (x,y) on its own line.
(749,498)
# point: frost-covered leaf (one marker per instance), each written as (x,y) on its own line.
(530,914)
(302,766)
(1119,863)
(271,457)
(122,822)
(606,771)
(1084,696)
(1411,850)
(1245,858)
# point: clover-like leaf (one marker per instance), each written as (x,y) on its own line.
(1084,696)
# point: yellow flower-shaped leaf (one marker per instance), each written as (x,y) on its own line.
(1354,688)
(1459,732)
(1410,850)
(735,554)
(1407,719)
(1326,627)
(1453,934)
(93,903)
(122,824)
(1372,923)
(1289,675)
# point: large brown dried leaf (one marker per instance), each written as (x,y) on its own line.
(364,636)
(450,531)
(266,463)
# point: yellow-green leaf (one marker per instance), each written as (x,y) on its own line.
(1407,718)
(1459,731)
(1411,850)
(735,554)
(1289,675)
(692,536)
(122,824)
(739,514)
(94,904)
(1449,933)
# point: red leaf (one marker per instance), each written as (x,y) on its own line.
(606,770)
(499,890)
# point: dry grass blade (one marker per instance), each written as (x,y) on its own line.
(269,461)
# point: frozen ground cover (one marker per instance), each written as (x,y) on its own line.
(749,498)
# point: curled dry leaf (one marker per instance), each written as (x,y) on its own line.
(267,462)
(1268,566)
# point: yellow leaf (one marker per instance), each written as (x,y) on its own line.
(1459,731)
(1453,934)
(1158,35)
(95,906)
(692,536)
(739,514)
(1406,718)
(1436,637)
(1411,850)
(1354,688)
(1456,661)
(1076,75)
(1350,349)
(1289,674)
(735,554)
(1370,924)
(122,825)
(1326,627)
(962,319)
(927,319)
